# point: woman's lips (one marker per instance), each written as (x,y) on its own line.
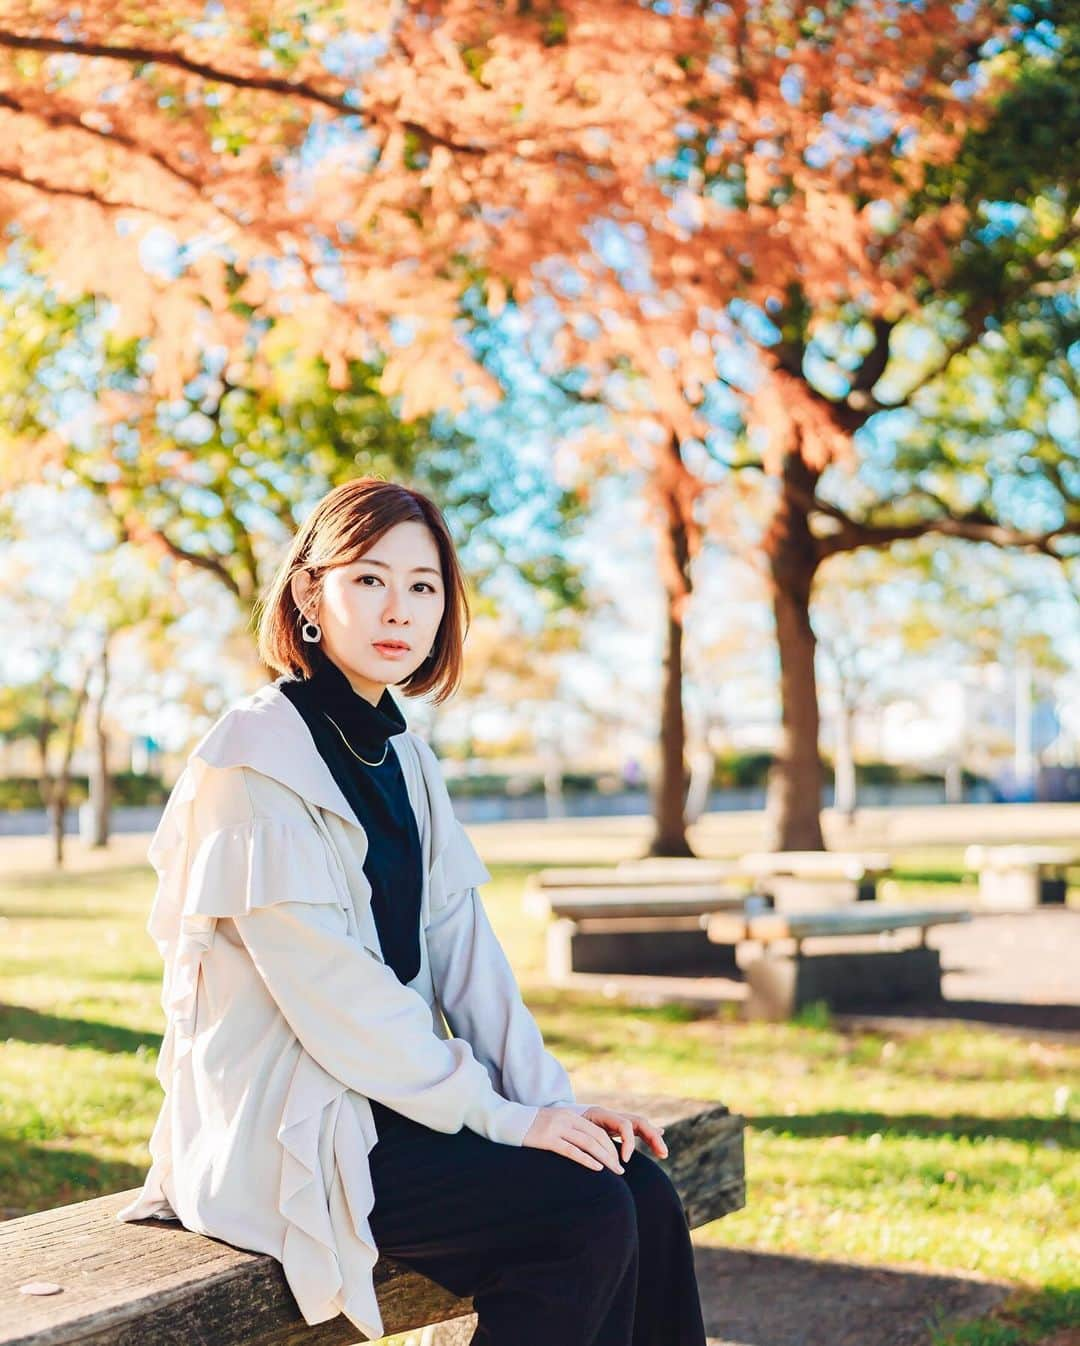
(391,651)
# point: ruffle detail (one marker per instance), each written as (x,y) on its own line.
(234,870)
(328,1242)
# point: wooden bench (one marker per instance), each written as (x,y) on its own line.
(1021,876)
(796,878)
(780,984)
(153,1281)
(619,924)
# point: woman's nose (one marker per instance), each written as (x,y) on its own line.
(396,606)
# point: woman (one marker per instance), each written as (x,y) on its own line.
(349,1068)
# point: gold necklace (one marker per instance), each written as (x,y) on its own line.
(386,746)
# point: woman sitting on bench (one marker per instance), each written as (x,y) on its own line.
(348,1064)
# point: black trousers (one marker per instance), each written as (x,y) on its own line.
(550,1251)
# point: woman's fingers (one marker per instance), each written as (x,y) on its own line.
(590,1140)
(652,1134)
(598,1143)
(627,1123)
(573,1151)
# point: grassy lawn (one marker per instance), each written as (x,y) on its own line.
(949,1150)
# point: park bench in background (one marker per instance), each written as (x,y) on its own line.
(781,983)
(687,871)
(795,879)
(611,921)
(154,1283)
(1021,876)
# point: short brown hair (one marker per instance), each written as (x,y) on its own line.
(346,523)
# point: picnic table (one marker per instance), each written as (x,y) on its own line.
(614,921)
(795,878)
(780,983)
(1021,875)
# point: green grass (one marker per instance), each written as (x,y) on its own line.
(1026,1319)
(946,1150)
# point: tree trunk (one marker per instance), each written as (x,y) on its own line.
(99,776)
(57,809)
(844,787)
(793,807)
(674,491)
(670,835)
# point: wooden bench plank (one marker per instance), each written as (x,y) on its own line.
(154,1283)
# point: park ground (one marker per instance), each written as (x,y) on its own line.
(911,1181)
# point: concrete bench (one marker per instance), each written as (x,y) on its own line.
(1014,877)
(635,926)
(795,878)
(153,1281)
(645,873)
(780,984)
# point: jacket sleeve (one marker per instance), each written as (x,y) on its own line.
(480,998)
(347,1008)
(352,1014)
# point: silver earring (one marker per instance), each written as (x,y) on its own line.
(311,632)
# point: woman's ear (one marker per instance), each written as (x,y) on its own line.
(300,585)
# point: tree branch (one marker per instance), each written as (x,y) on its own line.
(975,528)
(82,194)
(69,121)
(176,59)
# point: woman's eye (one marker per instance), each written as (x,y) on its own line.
(423,583)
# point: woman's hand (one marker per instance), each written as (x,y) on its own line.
(625,1125)
(584,1137)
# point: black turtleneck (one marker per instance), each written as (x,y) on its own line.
(377,795)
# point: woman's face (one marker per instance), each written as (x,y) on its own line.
(393,593)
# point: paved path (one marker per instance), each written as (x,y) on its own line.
(760,1299)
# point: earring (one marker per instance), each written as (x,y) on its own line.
(311,632)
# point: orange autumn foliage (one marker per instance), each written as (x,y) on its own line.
(473,136)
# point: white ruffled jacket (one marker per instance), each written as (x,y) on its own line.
(282,1018)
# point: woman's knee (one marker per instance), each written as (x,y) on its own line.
(653,1191)
(608,1210)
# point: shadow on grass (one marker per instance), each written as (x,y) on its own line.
(767,1299)
(1012,1013)
(1062,1131)
(28,1025)
(34,1177)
